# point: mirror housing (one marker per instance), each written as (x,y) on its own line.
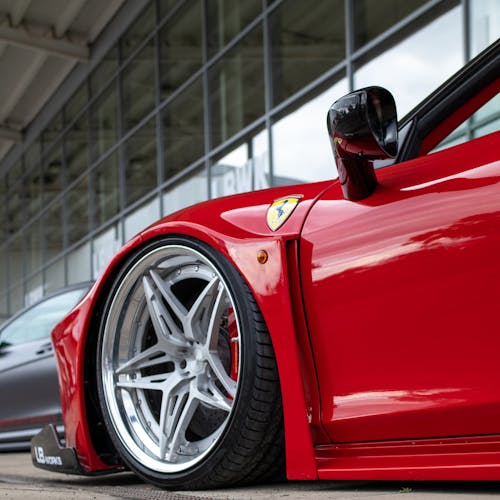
(363,127)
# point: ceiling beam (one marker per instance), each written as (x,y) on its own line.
(19,8)
(67,16)
(63,48)
(10,134)
(109,8)
(30,70)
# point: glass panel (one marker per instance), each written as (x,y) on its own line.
(301,149)
(260,143)
(484,24)
(15,174)
(32,157)
(4,308)
(16,296)
(141,167)
(75,149)
(183,130)
(33,247)
(15,262)
(418,64)
(75,104)
(260,153)
(306,42)
(54,276)
(237,172)
(488,111)
(53,231)
(106,190)
(52,131)
(104,121)
(190,190)
(104,248)
(34,292)
(33,199)
(227,18)
(232,173)
(77,211)
(52,181)
(490,127)
(166,6)
(237,88)
(3,270)
(104,71)
(3,214)
(141,218)
(15,209)
(139,30)
(450,141)
(79,264)
(373,18)
(139,86)
(180,47)
(484,121)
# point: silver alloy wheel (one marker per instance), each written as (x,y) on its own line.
(170,358)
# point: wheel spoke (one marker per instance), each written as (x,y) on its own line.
(196,319)
(172,405)
(164,326)
(220,373)
(163,439)
(178,437)
(212,341)
(215,400)
(177,308)
(213,328)
(145,359)
(152,382)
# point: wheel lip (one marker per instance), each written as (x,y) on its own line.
(122,292)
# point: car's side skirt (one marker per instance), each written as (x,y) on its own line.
(471,458)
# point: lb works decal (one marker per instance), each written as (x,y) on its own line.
(280,210)
(41,458)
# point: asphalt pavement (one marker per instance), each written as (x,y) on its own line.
(20,480)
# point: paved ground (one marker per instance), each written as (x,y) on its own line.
(20,480)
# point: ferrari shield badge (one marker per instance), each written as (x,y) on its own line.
(280,210)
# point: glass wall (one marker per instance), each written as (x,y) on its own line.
(418,64)
(204,98)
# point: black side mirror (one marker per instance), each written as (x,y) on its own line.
(363,127)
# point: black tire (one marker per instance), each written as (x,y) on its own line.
(230,429)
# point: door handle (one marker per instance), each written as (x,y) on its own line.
(44,349)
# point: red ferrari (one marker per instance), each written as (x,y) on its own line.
(338,330)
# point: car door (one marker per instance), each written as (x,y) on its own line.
(401,293)
(28,384)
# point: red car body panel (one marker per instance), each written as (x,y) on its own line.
(401,307)
(237,228)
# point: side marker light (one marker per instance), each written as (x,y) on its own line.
(262,256)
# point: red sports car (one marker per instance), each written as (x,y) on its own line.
(338,330)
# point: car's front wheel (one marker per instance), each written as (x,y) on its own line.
(187,378)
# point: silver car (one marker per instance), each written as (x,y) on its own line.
(29,391)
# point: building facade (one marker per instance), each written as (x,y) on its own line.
(194,99)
